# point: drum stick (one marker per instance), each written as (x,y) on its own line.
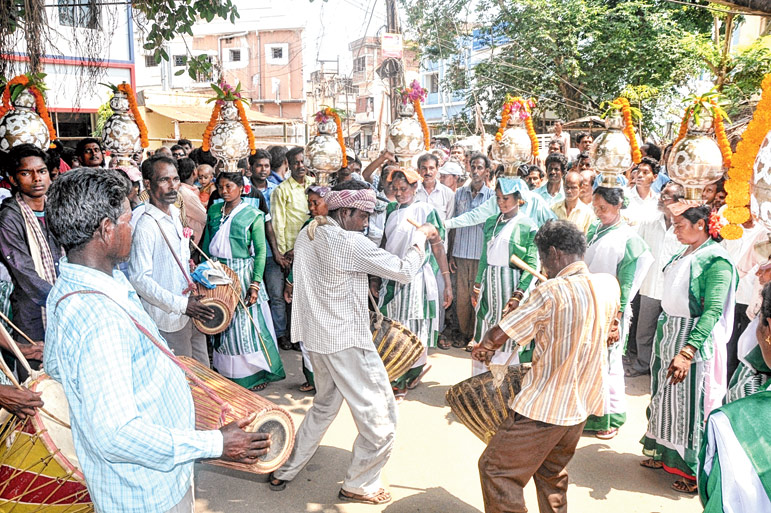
(413,222)
(15,349)
(525,267)
(12,325)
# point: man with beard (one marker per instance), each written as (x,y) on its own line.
(158,268)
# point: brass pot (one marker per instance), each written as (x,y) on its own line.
(611,153)
(22,125)
(229,141)
(405,135)
(515,147)
(120,135)
(323,153)
(695,161)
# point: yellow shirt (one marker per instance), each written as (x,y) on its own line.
(289,211)
(582,215)
(565,384)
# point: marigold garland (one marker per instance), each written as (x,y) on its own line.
(215,114)
(247,127)
(722,138)
(132,101)
(40,103)
(740,172)
(340,140)
(515,103)
(423,125)
(626,112)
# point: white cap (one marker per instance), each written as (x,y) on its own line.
(451,168)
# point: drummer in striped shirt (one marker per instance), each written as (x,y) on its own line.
(571,317)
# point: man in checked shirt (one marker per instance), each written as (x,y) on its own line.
(572,318)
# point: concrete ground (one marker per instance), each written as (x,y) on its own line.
(434,464)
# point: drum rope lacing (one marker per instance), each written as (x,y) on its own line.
(225,408)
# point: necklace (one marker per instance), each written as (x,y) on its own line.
(602,230)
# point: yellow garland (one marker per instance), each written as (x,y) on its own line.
(740,173)
(626,112)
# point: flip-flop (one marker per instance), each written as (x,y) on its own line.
(279,484)
(380,497)
(607,435)
(651,463)
(400,394)
(685,486)
(470,346)
(442,343)
(415,382)
(260,387)
(307,387)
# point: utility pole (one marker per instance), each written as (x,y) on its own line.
(392,27)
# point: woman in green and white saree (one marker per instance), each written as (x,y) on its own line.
(416,304)
(753,373)
(688,368)
(246,351)
(734,460)
(614,247)
(500,287)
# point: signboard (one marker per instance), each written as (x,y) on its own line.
(391,45)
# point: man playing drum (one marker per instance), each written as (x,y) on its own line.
(132,416)
(332,260)
(571,317)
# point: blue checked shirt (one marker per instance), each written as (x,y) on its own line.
(131,411)
(469,239)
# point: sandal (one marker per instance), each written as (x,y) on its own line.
(276,484)
(307,387)
(257,388)
(459,343)
(415,382)
(470,346)
(400,394)
(607,435)
(685,486)
(651,463)
(380,497)
(442,343)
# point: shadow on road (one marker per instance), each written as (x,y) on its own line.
(431,500)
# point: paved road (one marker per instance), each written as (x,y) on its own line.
(434,465)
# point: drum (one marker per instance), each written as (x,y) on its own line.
(482,407)
(397,346)
(39,470)
(223,299)
(270,418)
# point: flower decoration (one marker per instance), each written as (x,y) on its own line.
(514,105)
(325,115)
(715,224)
(740,173)
(187,232)
(415,94)
(132,101)
(630,115)
(709,102)
(33,82)
(227,93)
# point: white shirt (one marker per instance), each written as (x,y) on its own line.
(641,210)
(738,249)
(664,245)
(442,198)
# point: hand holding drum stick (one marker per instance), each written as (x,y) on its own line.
(525,267)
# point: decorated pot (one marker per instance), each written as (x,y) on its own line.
(22,125)
(323,153)
(515,147)
(696,161)
(228,141)
(405,135)
(120,135)
(611,153)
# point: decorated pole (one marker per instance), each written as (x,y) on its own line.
(325,153)
(408,136)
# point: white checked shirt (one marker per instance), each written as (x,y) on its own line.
(442,198)
(331,284)
(131,410)
(153,271)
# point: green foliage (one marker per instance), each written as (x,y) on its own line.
(102,114)
(747,67)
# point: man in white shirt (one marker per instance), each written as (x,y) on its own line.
(159,264)
(441,197)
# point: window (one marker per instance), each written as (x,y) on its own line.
(235,55)
(179,61)
(433,82)
(206,76)
(150,61)
(360,64)
(79,13)
(277,53)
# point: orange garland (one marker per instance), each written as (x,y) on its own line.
(742,163)
(40,103)
(722,138)
(683,128)
(334,115)
(626,112)
(215,114)
(247,127)
(506,115)
(132,100)
(423,125)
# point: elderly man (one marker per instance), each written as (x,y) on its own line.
(131,410)
(572,208)
(571,317)
(333,259)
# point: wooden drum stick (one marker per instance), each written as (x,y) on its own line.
(523,265)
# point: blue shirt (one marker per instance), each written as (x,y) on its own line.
(661,180)
(543,192)
(469,239)
(275,178)
(535,208)
(131,410)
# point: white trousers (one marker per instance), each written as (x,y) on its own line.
(358,377)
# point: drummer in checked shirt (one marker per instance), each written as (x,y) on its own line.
(131,409)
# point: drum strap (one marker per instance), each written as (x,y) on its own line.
(224,406)
(190,284)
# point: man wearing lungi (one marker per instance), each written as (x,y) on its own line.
(131,409)
(332,260)
(571,317)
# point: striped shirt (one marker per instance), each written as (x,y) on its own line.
(131,410)
(566,382)
(469,239)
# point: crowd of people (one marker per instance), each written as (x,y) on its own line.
(640,284)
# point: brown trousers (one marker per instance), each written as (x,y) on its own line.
(523,448)
(465,276)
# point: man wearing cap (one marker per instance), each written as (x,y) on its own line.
(451,175)
(333,258)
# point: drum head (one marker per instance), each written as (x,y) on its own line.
(220,321)
(281,438)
